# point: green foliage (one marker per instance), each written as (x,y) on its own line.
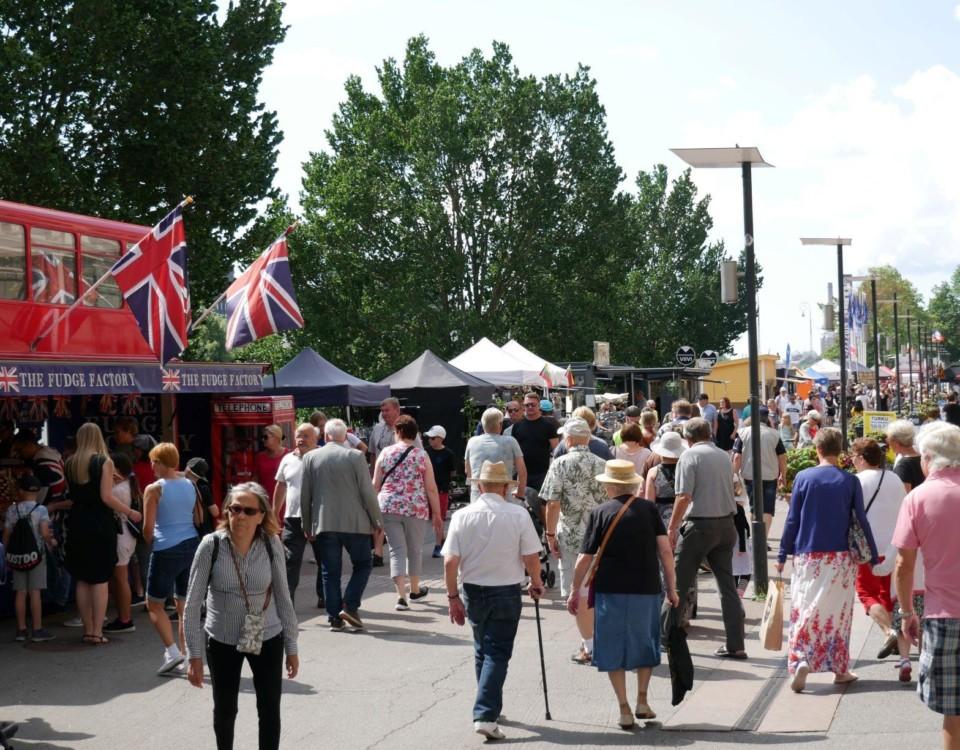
(119,109)
(909,302)
(799,459)
(944,310)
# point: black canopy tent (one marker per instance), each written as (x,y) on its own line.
(437,390)
(313,381)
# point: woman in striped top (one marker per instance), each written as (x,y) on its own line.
(240,569)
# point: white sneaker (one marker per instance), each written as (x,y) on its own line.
(178,671)
(488,729)
(73,622)
(800,677)
(170,663)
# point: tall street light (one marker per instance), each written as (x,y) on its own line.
(745,159)
(840,243)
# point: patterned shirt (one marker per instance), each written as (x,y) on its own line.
(571,481)
(404,492)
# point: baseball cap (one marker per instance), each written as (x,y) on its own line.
(144,442)
(764,412)
(436,431)
(575,427)
(29,483)
(546,405)
(198,466)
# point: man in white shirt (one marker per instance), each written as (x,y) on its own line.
(489,544)
(782,400)
(287,490)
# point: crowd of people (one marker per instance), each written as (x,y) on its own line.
(631,519)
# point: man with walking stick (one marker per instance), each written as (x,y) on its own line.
(489,544)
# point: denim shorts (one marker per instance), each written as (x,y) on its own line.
(769,495)
(169,571)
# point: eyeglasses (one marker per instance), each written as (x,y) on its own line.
(513,409)
(236,510)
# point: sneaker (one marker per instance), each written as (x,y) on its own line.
(174,616)
(321,604)
(401,605)
(889,646)
(336,625)
(41,634)
(905,670)
(436,551)
(488,729)
(178,671)
(22,636)
(352,618)
(73,622)
(119,626)
(138,601)
(378,561)
(170,663)
(800,677)
(420,594)
(170,607)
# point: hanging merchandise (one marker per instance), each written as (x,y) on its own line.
(61,406)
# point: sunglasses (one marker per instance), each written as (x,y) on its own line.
(515,408)
(236,510)
(530,406)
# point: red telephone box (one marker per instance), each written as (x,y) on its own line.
(236,425)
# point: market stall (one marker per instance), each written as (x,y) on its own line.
(314,381)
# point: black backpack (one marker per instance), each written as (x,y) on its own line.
(23,552)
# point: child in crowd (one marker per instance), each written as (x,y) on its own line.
(786,431)
(29,583)
(125,490)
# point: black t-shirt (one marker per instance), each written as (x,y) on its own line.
(630,561)
(951,413)
(534,436)
(443,463)
(909,471)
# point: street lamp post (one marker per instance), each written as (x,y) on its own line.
(839,242)
(745,159)
(909,317)
(896,345)
(921,357)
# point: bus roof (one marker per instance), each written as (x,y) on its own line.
(66,221)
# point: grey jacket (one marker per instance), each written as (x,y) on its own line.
(336,492)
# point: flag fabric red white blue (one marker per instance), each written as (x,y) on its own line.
(152,275)
(261,301)
(55,282)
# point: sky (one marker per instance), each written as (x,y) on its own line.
(856,104)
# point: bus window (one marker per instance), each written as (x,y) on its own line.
(54,266)
(13,258)
(98,256)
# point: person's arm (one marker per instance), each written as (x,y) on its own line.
(531,563)
(451,568)
(378,473)
(284,605)
(279,496)
(903,577)
(782,468)
(579,576)
(433,494)
(361,446)
(650,485)
(680,504)
(367,494)
(669,573)
(150,499)
(788,537)
(46,533)
(521,466)
(552,519)
(737,461)
(200,572)
(106,493)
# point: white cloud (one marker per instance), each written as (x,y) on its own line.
(956,12)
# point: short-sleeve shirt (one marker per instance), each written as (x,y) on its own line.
(909,470)
(793,411)
(929,521)
(771,448)
(491,448)
(704,473)
(491,536)
(572,482)
(404,492)
(290,472)
(37,515)
(709,413)
(534,436)
(265,470)
(630,561)
(442,461)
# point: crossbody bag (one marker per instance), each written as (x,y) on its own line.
(856,537)
(595,563)
(251,633)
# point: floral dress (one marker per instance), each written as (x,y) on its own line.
(404,493)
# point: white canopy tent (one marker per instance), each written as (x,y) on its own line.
(825,367)
(555,377)
(487,361)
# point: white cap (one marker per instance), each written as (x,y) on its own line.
(436,431)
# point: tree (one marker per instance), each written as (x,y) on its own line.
(909,303)
(119,109)
(944,310)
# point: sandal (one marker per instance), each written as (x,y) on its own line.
(582,657)
(94,640)
(845,678)
(626,717)
(722,652)
(643,710)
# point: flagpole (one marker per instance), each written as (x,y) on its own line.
(99,282)
(205,314)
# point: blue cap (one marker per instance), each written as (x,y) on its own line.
(546,405)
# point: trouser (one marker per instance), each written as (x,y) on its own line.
(494,614)
(329,547)
(225,663)
(294,542)
(713,540)
(405,535)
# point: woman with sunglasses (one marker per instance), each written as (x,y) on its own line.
(239,571)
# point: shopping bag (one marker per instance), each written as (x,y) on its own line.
(771,626)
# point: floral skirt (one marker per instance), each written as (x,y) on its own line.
(821,611)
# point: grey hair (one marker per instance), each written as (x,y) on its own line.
(903,431)
(697,429)
(491,419)
(939,443)
(249,488)
(336,430)
(391,401)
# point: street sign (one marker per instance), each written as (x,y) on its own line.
(710,357)
(686,356)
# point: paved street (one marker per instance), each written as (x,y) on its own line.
(408,683)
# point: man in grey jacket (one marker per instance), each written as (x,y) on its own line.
(340,511)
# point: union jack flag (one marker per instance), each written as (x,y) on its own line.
(54,280)
(152,275)
(171,380)
(9,381)
(261,301)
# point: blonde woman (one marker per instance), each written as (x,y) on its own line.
(91,545)
(240,571)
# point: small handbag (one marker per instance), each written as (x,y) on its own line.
(251,632)
(860,551)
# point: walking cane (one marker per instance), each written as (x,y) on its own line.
(543,667)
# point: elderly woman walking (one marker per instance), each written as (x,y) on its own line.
(624,540)
(825,499)
(408,496)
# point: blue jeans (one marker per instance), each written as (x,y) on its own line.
(330,545)
(494,614)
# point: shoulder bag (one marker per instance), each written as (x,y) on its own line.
(595,563)
(856,537)
(251,633)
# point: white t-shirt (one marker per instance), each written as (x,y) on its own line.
(290,473)
(886,507)
(490,536)
(793,410)
(782,403)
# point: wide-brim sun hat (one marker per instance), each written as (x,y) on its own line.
(814,415)
(619,471)
(670,445)
(493,473)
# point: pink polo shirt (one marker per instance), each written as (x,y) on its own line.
(929,520)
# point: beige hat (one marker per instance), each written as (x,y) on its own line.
(670,445)
(619,471)
(575,427)
(494,473)
(814,415)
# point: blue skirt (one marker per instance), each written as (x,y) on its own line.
(626,631)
